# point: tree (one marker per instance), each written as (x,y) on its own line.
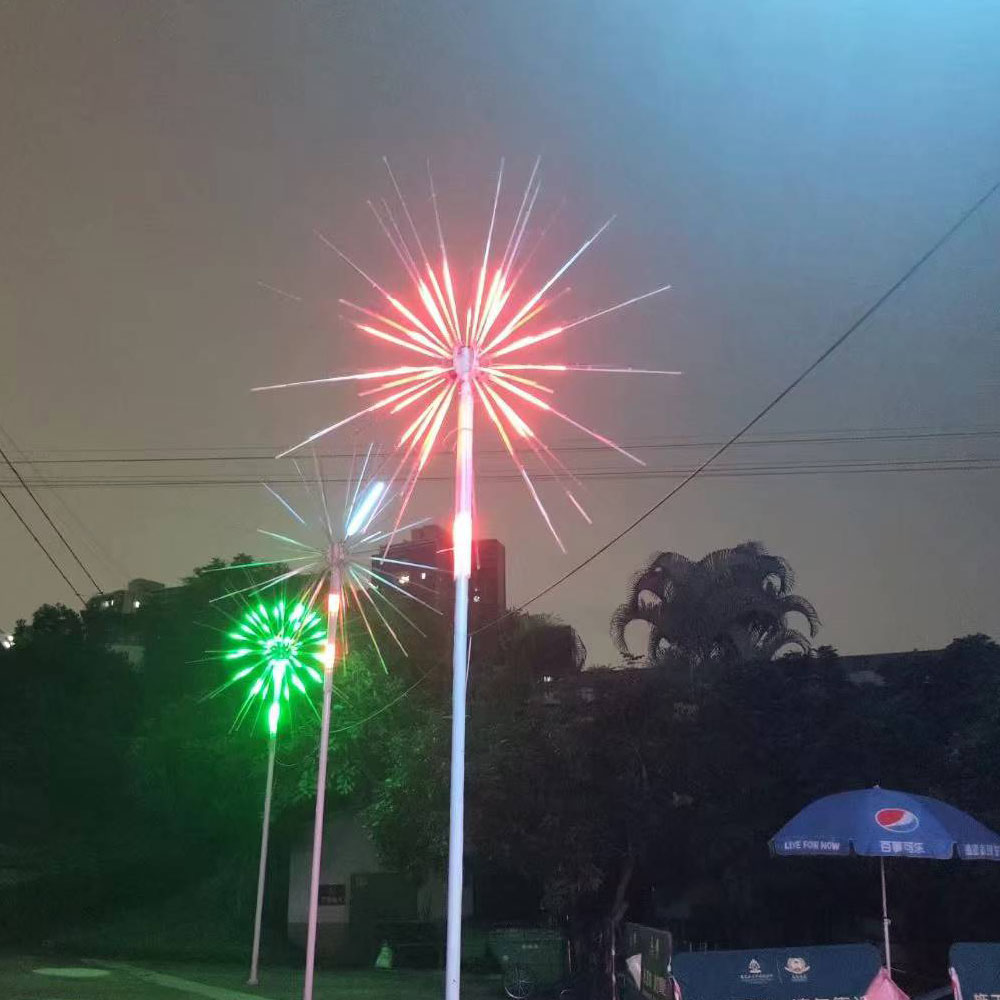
(69,711)
(734,604)
(570,791)
(193,774)
(182,624)
(591,795)
(570,802)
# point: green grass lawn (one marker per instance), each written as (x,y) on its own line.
(286,983)
(21,980)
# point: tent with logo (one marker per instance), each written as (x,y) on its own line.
(878,822)
(974,970)
(846,971)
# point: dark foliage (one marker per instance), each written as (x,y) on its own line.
(592,795)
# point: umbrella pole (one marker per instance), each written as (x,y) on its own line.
(885,918)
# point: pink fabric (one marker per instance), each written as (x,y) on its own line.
(883,988)
(955,988)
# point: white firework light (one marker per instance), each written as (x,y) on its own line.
(342,554)
(277,647)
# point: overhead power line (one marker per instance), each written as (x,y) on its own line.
(756,419)
(181,474)
(265,454)
(725,446)
(805,467)
(52,524)
(41,545)
(90,539)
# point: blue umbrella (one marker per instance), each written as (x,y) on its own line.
(880,823)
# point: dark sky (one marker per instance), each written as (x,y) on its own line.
(780,163)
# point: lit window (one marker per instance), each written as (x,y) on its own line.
(547,679)
(423,576)
(476,599)
(404,579)
(137,604)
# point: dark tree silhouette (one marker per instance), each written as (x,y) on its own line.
(734,604)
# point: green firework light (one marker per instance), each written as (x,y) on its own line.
(277,650)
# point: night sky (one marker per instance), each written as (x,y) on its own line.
(779,163)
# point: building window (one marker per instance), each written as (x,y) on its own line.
(547,678)
(137,604)
(423,576)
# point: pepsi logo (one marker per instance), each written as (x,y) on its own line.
(897,820)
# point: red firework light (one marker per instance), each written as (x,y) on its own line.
(481,340)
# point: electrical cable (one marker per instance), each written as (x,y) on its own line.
(814,437)
(89,537)
(39,543)
(965,463)
(867,314)
(805,373)
(52,524)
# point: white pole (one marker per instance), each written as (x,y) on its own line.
(262,870)
(614,991)
(462,541)
(885,918)
(329,658)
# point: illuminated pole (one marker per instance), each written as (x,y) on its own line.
(462,542)
(274,651)
(329,659)
(264,833)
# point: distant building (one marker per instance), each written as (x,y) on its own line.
(429,577)
(116,609)
(127,601)
(580,688)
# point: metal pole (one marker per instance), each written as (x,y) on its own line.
(262,870)
(614,957)
(462,541)
(329,658)
(885,918)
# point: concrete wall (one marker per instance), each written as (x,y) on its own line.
(350,866)
(347,850)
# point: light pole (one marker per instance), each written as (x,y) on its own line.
(470,356)
(265,829)
(273,648)
(333,602)
(340,566)
(462,542)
